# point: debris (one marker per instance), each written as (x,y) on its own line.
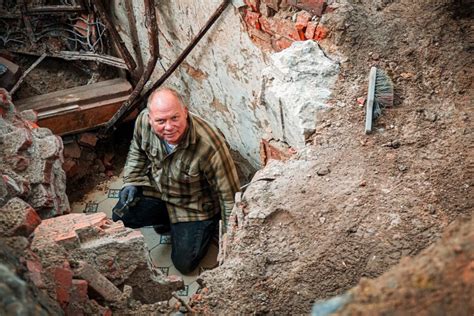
(18,83)
(323,171)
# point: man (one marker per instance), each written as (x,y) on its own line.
(179,176)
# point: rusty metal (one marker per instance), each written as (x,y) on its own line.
(135,43)
(125,111)
(150,18)
(124,53)
(54,9)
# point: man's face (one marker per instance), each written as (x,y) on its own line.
(168,117)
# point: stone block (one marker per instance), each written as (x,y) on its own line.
(16,141)
(49,147)
(18,218)
(88,140)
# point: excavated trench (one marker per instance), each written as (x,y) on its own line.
(329,208)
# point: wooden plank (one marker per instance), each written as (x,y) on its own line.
(82,118)
(79,95)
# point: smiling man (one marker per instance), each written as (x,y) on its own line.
(179,177)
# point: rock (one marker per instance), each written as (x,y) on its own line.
(298,84)
(72,150)
(323,171)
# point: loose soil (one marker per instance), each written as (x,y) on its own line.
(352,205)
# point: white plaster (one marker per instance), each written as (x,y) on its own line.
(231,67)
(298,84)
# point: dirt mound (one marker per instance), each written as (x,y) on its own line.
(353,205)
(418,286)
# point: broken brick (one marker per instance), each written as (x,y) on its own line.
(72,150)
(320,33)
(98,282)
(253,4)
(302,19)
(265,25)
(284,28)
(315,7)
(35,271)
(18,218)
(281,43)
(251,18)
(88,140)
(274,4)
(310,30)
(71,168)
(63,280)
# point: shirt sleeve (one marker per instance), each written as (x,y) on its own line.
(222,177)
(137,165)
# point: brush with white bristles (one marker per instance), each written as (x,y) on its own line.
(379,96)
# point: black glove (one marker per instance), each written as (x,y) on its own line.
(128,194)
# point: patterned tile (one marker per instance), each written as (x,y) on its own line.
(165,239)
(91,207)
(113,193)
(183,292)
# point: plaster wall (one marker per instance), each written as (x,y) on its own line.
(220,79)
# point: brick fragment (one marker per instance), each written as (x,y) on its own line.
(302,19)
(284,28)
(63,280)
(281,43)
(315,7)
(72,150)
(18,218)
(35,272)
(71,168)
(320,33)
(274,4)
(98,282)
(88,140)
(310,30)
(253,4)
(251,18)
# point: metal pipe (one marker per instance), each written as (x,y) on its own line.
(124,53)
(150,16)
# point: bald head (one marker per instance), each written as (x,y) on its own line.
(167,115)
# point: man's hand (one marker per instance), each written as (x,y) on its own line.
(127,194)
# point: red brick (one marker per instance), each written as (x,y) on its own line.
(281,43)
(310,30)
(79,291)
(315,7)
(270,149)
(30,220)
(72,150)
(98,282)
(274,4)
(321,33)
(71,168)
(35,271)
(251,18)
(63,281)
(265,25)
(302,19)
(284,28)
(253,4)
(88,139)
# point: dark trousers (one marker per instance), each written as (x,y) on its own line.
(189,240)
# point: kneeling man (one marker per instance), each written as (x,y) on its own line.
(179,177)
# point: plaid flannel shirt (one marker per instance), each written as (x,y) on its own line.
(197,180)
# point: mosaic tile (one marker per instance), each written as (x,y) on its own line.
(91,207)
(113,193)
(165,239)
(164,270)
(183,292)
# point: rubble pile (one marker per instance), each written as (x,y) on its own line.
(52,262)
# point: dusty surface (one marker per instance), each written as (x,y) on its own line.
(352,205)
(419,286)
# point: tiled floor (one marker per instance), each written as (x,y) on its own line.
(104,198)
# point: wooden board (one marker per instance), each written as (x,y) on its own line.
(79,95)
(78,109)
